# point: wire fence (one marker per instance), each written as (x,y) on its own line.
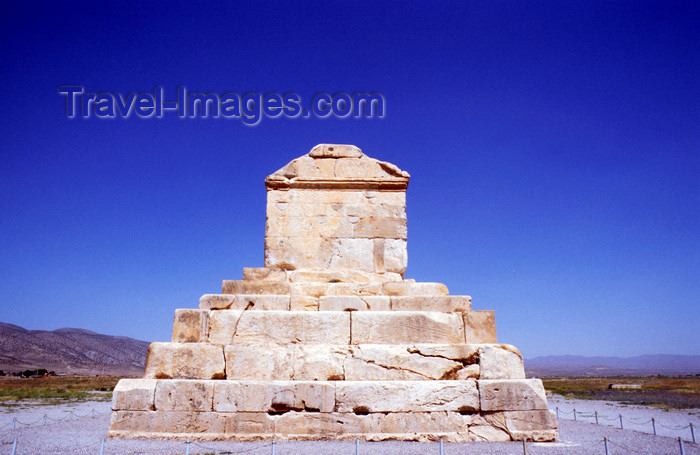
(648,424)
(45,419)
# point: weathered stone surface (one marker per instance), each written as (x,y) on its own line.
(354,303)
(411,288)
(445,303)
(134,395)
(335,151)
(465,353)
(190,326)
(539,425)
(389,362)
(167,424)
(185,361)
(279,327)
(274,396)
(263,274)
(241,424)
(322,425)
(402,327)
(406,396)
(254,287)
(488,433)
(480,326)
(243,301)
(184,395)
(501,361)
(511,394)
(303,303)
(340,276)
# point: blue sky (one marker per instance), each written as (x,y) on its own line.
(553,149)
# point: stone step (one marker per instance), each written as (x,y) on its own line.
(444,303)
(318,289)
(318,409)
(334,362)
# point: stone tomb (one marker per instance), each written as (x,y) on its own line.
(328,340)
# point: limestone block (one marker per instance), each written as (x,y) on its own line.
(263,274)
(480,326)
(411,288)
(184,395)
(488,433)
(340,276)
(396,256)
(134,395)
(511,394)
(243,301)
(190,326)
(360,289)
(352,253)
(335,151)
(245,423)
(354,303)
(319,362)
(469,371)
(501,361)
(322,424)
(279,327)
(539,425)
(254,287)
(259,362)
(303,303)
(422,422)
(274,396)
(406,396)
(168,424)
(444,303)
(403,327)
(396,362)
(184,361)
(383,228)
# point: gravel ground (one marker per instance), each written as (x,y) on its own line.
(73,429)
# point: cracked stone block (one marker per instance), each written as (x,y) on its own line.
(240,424)
(263,274)
(184,361)
(274,396)
(279,327)
(386,362)
(354,303)
(190,326)
(500,361)
(512,394)
(134,395)
(303,303)
(539,425)
(411,288)
(407,396)
(488,433)
(401,327)
(167,424)
(184,395)
(322,425)
(243,301)
(445,303)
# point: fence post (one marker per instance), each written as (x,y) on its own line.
(680,442)
(653,425)
(187,447)
(692,433)
(14,447)
(524,446)
(14,422)
(102,447)
(557,408)
(574,413)
(441,446)
(357,447)
(44,419)
(596,417)
(605,440)
(621,422)
(273,447)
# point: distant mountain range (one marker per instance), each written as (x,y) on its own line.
(643,365)
(70,351)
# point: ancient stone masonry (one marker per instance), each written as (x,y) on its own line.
(328,340)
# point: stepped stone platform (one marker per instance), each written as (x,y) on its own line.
(328,340)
